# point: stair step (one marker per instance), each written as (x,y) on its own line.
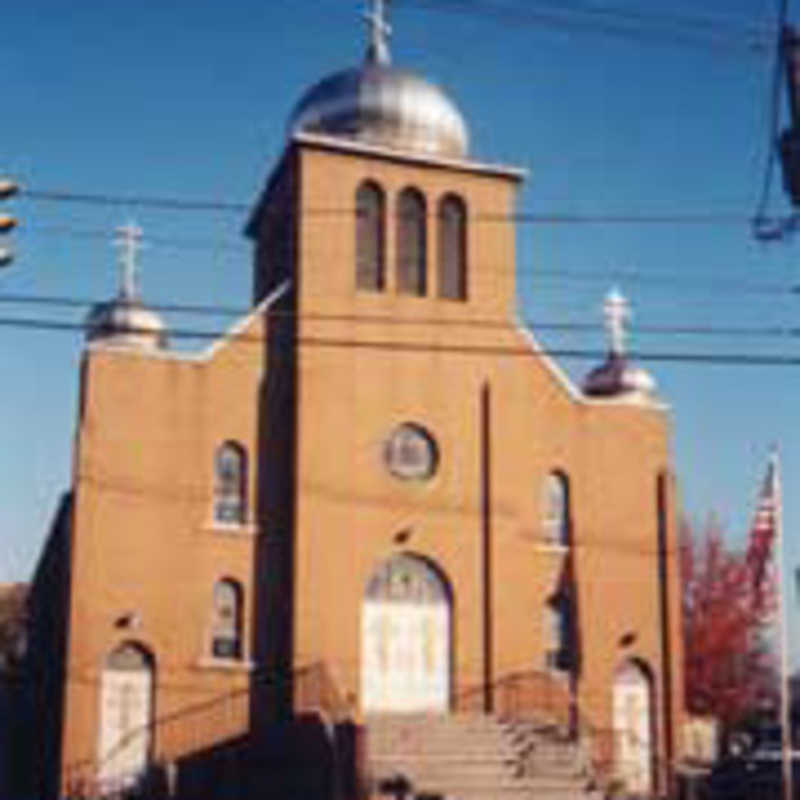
(453,742)
(444,735)
(446,766)
(523,794)
(477,757)
(458,759)
(568,771)
(506,784)
(430,779)
(462,753)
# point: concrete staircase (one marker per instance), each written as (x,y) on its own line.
(474,757)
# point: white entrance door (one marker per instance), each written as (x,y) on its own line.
(633,729)
(405,639)
(126,693)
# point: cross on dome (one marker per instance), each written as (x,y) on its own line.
(617,314)
(379,33)
(129,242)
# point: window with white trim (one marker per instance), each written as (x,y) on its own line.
(226,624)
(230,484)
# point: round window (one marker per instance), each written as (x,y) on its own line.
(411,453)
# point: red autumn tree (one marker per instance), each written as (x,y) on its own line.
(728,610)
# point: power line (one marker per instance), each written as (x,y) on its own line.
(702,218)
(166,203)
(642,277)
(159,241)
(699,218)
(714,285)
(667,281)
(431,348)
(79,302)
(617,22)
(384,319)
(637,276)
(704,21)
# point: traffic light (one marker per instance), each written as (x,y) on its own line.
(8,189)
(7,223)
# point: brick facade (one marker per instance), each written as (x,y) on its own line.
(311,385)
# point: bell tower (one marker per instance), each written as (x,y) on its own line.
(377,207)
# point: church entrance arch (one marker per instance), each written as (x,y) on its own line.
(633,727)
(126,716)
(406,623)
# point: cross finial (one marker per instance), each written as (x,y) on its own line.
(129,241)
(379,33)
(617,313)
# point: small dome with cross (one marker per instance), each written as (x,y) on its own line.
(617,377)
(124,321)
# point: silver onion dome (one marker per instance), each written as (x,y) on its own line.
(617,376)
(124,321)
(382,105)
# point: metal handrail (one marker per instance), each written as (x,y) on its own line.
(314,688)
(540,696)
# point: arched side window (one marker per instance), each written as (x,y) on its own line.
(452,248)
(412,249)
(370,207)
(230,484)
(555,510)
(226,623)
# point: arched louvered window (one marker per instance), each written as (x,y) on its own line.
(411,243)
(370,206)
(230,484)
(555,510)
(452,240)
(226,623)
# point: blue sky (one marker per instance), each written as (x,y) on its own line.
(190,100)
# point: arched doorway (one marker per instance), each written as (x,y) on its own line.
(126,715)
(633,727)
(405,638)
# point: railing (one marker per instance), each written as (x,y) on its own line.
(614,761)
(529,694)
(539,699)
(166,739)
(544,699)
(193,730)
(315,691)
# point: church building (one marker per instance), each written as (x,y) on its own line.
(376,497)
